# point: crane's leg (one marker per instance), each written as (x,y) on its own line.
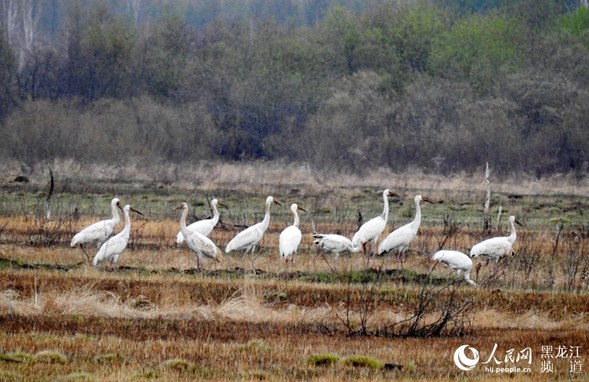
(252,258)
(477,269)
(85,253)
(322,253)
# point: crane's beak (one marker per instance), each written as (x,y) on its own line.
(220,203)
(119,205)
(424,199)
(391,193)
(301,208)
(277,202)
(134,210)
(178,208)
(518,223)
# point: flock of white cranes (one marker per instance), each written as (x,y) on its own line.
(195,236)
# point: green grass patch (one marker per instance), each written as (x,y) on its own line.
(363,361)
(148,373)
(323,359)
(107,358)
(17,357)
(50,356)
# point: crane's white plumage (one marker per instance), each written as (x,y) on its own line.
(399,239)
(204,226)
(334,243)
(371,230)
(98,232)
(496,247)
(201,245)
(113,247)
(291,236)
(251,236)
(457,261)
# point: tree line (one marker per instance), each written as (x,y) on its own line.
(443,86)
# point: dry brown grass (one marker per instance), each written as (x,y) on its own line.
(263,177)
(157,318)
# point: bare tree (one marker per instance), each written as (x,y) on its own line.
(136,9)
(10,10)
(21,19)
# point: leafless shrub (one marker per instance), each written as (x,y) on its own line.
(450,317)
(49,231)
(437,310)
(451,229)
(573,263)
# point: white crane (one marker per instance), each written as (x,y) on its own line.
(457,261)
(113,247)
(98,232)
(399,239)
(371,230)
(334,243)
(204,226)
(496,247)
(291,236)
(201,245)
(251,236)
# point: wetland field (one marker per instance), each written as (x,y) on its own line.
(156,317)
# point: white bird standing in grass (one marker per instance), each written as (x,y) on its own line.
(334,243)
(251,236)
(113,247)
(399,239)
(98,232)
(204,226)
(291,236)
(496,247)
(457,261)
(197,242)
(371,230)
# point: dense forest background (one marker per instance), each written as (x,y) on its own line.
(347,85)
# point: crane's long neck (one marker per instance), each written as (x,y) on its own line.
(266,221)
(417,221)
(215,213)
(116,218)
(513,235)
(385,211)
(296,218)
(183,220)
(127,230)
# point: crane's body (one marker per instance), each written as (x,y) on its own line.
(334,243)
(204,226)
(113,247)
(399,239)
(201,245)
(497,247)
(290,237)
(98,232)
(251,236)
(370,231)
(457,261)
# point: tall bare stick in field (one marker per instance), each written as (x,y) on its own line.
(49,194)
(486,221)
